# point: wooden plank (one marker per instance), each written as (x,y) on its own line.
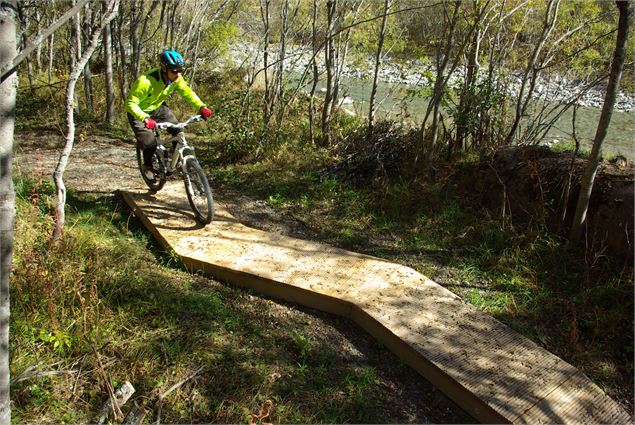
(488,369)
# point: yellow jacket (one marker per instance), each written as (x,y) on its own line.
(148,92)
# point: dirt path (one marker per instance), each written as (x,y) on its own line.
(104,165)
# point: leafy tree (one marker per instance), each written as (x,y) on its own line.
(625,8)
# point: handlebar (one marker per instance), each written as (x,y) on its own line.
(166,125)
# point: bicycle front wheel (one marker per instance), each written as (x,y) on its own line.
(158,181)
(199,193)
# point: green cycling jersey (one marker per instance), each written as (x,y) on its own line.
(148,92)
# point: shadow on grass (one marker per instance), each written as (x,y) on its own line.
(312,366)
(579,308)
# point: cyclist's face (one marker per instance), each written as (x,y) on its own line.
(172,74)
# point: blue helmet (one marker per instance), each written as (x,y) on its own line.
(172,59)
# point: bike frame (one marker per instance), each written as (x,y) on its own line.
(182,148)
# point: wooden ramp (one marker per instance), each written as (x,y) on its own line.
(489,370)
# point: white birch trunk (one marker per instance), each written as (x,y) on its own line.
(51,40)
(264,12)
(617,65)
(314,67)
(378,55)
(88,73)
(329,63)
(38,30)
(531,71)
(8,90)
(60,216)
(110,90)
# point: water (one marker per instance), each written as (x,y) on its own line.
(396,104)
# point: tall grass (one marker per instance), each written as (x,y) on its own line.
(104,306)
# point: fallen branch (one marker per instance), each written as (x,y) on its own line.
(30,374)
(121,396)
(183,381)
(135,416)
(113,403)
(174,387)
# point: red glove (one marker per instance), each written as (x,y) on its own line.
(205,112)
(150,123)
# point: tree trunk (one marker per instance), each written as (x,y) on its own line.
(329,63)
(172,24)
(24,27)
(38,51)
(278,86)
(466,112)
(122,67)
(110,90)
(51,40)
(58,175)
(440,82)
(341,51)
(142,36)
(88,74)
(135,10)
(195,57)
(75,48)
(314,67)
(264,14)
(625,8)
(531,71)
(8,90)
(378,55)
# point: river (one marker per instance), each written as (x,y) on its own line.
(619,139)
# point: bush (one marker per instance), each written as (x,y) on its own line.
(384,153)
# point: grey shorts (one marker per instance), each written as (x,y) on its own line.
(147,137)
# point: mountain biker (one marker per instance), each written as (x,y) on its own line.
(146,105)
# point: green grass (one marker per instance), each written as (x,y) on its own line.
(523,275)
(104,303)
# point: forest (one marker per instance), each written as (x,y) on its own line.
(458,176)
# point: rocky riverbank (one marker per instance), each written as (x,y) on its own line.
(550,88)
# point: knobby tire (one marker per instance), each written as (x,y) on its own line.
(160,178)
(199,193)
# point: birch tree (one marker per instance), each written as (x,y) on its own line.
(531,70)
(443,57)
(266,28)
(378,56)
(88,74)
(51,52)
(338,37)
(58,175)
(466,110)
(329,64)
(110,91)
(625,8)
(8,18)
(314,69)
(24,34)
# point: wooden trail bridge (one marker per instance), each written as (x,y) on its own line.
(492,372)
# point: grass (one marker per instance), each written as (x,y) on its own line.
(148,321)
(577,307)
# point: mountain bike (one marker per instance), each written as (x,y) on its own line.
(178,159)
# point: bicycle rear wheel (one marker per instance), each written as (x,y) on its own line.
(199,193)
(157,183)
